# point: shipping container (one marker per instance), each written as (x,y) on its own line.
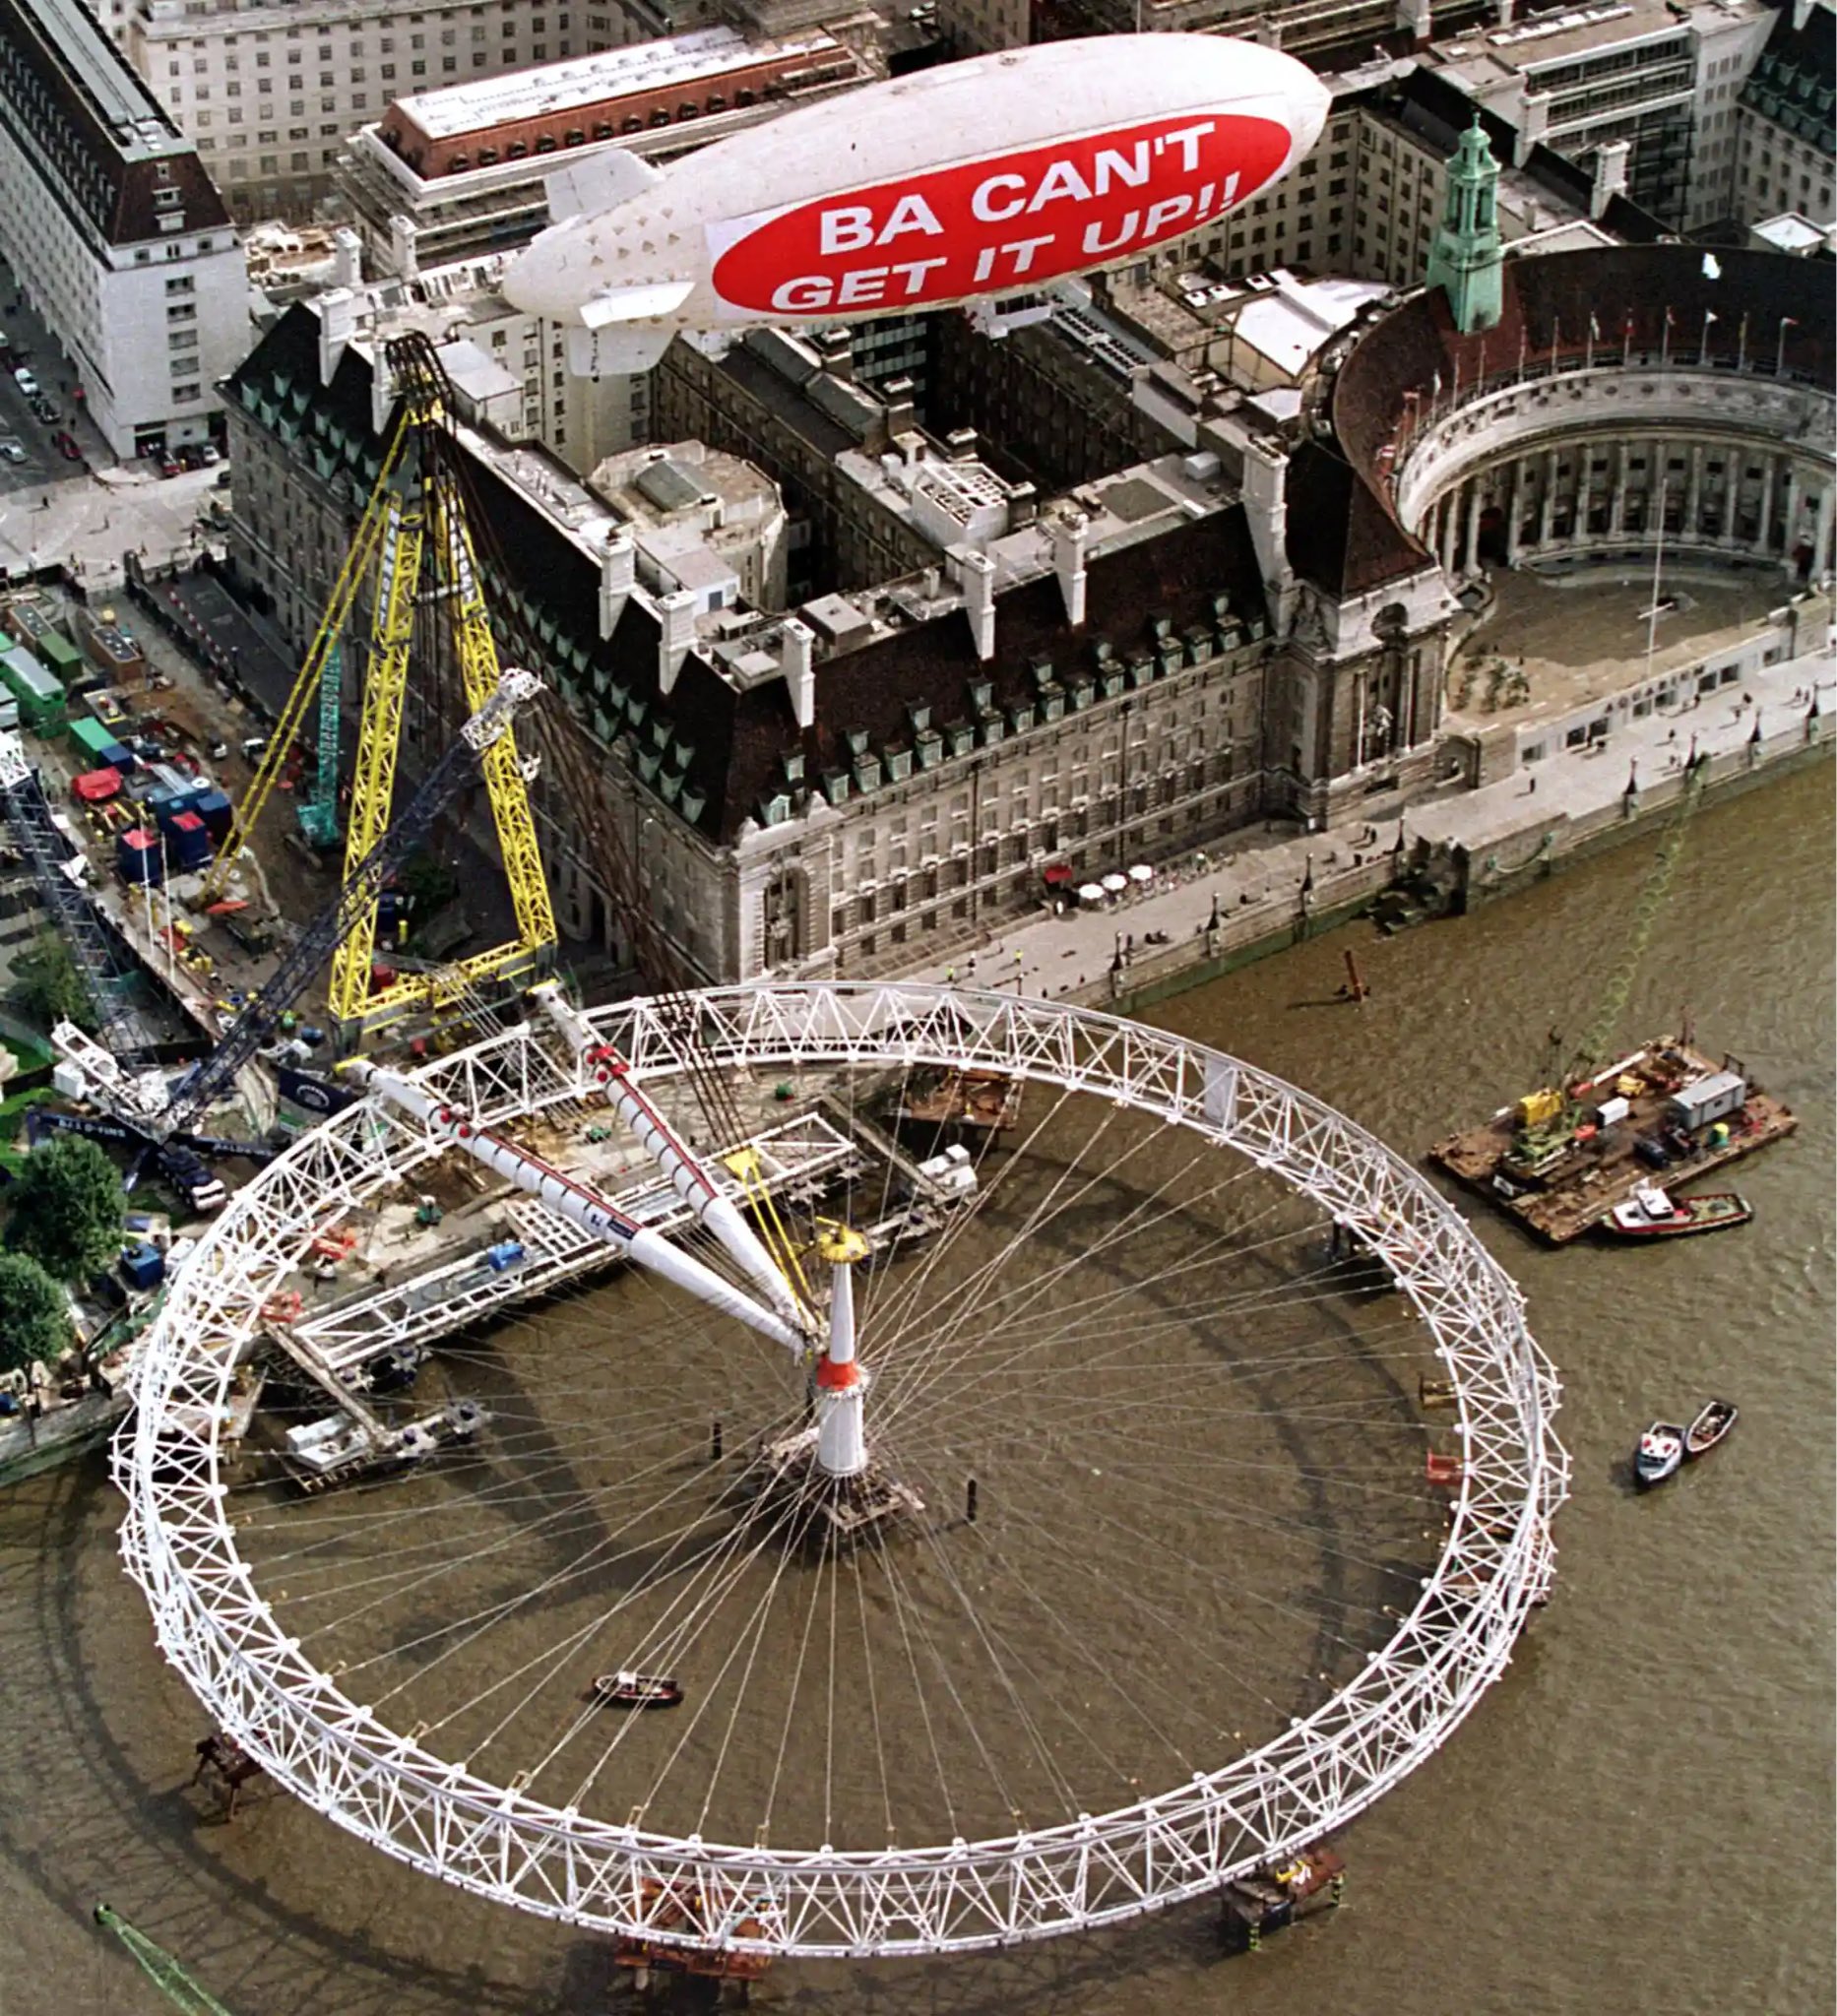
(137,858)
(62,657)
(187,841)
(90,737)
(1708,1099)
(41,696)
(216,812)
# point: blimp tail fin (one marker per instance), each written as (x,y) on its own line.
(592,352)
(599,183)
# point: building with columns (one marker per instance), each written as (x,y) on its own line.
(1254,624)
(1619,392)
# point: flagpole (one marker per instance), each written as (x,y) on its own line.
(1588,346)
(1702,352)
(1658,561)
(1779,356)
(1665,342)
(1740,343)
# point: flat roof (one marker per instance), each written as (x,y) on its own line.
(81,50)
(670,64)
(1489,53)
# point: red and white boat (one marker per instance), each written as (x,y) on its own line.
(1651,1213)
(627,1688)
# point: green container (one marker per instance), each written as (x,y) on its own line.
(92,738)
(41,696)
(62,659)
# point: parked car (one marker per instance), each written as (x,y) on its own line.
(11,450)
(25,382)
(169,467)
(208,455)
(67,446)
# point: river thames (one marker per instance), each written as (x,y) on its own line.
(1641,1812)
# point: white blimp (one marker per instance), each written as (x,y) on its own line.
(978,179)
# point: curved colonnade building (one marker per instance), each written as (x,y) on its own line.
(1619,387)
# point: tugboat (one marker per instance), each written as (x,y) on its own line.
(1660,1453)
(628,1690)
(1714,1422)
(1652,1214)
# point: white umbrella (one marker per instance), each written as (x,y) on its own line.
(1115,884)
(1091,892)
(1141,872)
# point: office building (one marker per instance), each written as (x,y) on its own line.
(115,232)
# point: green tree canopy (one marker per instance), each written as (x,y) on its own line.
(51,986)
(34,1318)
(67,1208)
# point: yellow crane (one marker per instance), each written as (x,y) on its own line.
(415,552)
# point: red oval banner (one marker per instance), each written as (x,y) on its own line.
(1003,224)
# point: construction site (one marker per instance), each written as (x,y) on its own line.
(245,886)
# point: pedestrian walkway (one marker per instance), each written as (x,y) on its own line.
(1257,890)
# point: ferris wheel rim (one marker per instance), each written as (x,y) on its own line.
(497,1841)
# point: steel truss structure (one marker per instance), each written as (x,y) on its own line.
(960,1896)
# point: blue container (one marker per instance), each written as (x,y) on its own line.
(137,858)
(119,756)
(216,812)
(186,840)
(504,1256)
(143,1267)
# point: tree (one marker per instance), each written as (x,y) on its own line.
(67,1208)
(52,987)
(34,1318)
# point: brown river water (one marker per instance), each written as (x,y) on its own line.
(1640,1811)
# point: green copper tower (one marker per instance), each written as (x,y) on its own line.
(1468,260)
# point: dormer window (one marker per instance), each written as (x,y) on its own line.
(857,739)
(794,766)
(981,693)
(919,714)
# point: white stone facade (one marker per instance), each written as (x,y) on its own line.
(272,93)
(115,236)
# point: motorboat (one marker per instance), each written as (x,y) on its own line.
(1660,1453)
(627,1688)
(1712,1424)
(1652,1213)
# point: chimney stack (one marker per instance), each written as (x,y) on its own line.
(795,661)
(1610,175)
(675,616)
(338,317)
(347,258)
(1069,538)
(976,576)
(1533,125)
(618,567)
(1266,506)
(403,254)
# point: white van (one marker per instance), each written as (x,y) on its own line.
(27,383)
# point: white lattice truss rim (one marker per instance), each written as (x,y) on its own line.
(334,1753)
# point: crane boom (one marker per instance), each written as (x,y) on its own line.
(357,900)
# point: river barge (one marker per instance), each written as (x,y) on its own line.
(975,1101)
(1560,1163)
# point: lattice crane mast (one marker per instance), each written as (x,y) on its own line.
(412,552)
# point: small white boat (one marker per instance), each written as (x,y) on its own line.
(1661,1450)
(628,1690)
